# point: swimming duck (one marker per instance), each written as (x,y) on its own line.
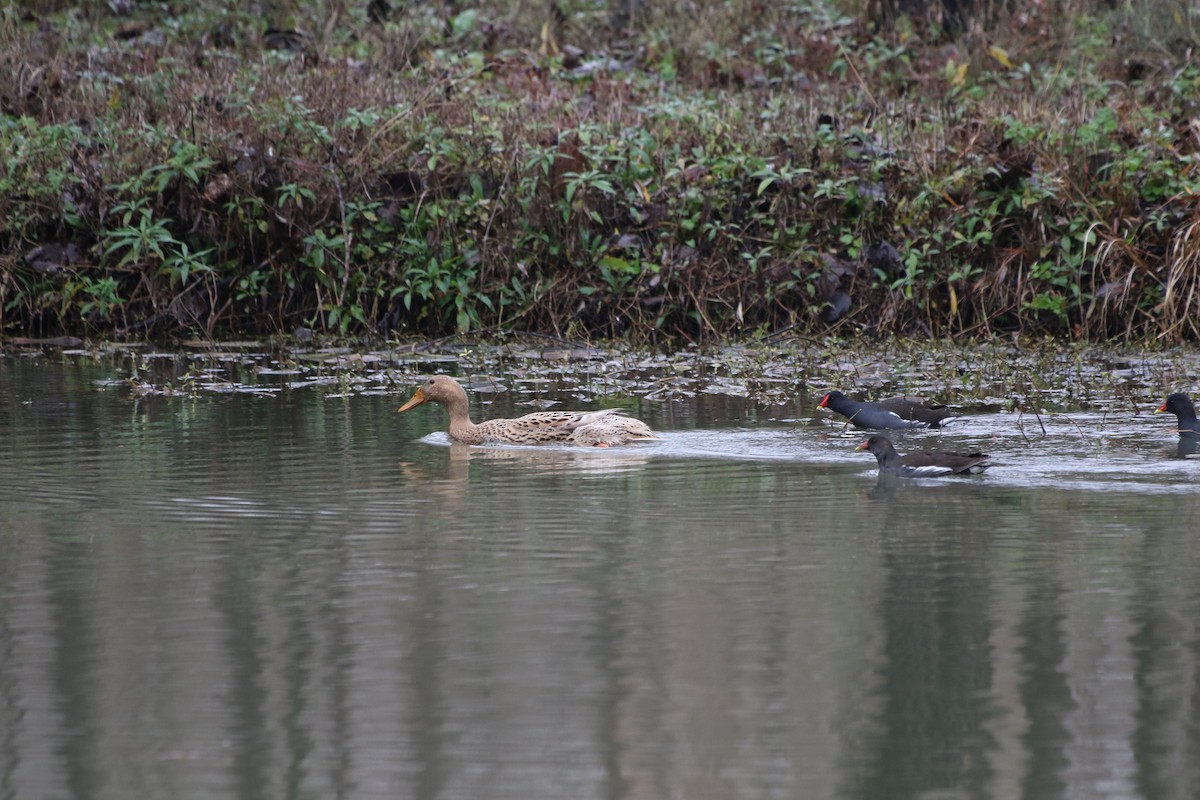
(927,464)
(893,413)
(585,428)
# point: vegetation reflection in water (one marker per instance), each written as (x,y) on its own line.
(297,592)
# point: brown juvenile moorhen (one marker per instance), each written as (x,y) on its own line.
(1181,406)
(891,414)
(923,464)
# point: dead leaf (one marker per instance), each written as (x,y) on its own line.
(1000,55)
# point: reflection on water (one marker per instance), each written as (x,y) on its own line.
(308,596)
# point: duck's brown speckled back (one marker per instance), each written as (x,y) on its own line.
(589,428)
(611,431)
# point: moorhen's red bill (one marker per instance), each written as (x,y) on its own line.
(926,464)
(894,413)
(1181,406)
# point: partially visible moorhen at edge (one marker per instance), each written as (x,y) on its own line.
(1181,406)
(928,464)
(894,413)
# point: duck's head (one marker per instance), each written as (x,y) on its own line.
(441,389)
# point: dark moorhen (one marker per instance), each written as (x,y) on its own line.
(891,414)
(928,464)
(1181,406)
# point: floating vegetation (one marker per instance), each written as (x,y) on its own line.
(1046,377)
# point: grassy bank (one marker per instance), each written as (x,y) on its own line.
(186,169)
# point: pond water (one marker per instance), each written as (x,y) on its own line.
(247,576)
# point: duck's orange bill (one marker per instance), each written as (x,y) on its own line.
(824,402)
(862,446)
(413,402)
(1161,409)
